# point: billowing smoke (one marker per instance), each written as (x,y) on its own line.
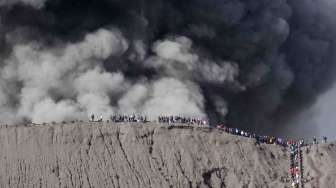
(54,82)
(253,64)
(34,3)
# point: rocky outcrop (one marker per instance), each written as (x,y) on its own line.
(145,155)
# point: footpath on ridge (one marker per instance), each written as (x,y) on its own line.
(101,154)
(296,166)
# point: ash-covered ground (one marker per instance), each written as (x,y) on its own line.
(150,155)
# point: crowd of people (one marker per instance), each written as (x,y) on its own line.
(324,140)
(267,139)
(296,167)
(116,118)
(259,138)
(296,159)
(183,120)
(295,170)
(132,118)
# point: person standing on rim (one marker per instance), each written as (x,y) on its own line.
(92,117)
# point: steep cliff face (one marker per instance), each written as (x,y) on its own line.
(126,155)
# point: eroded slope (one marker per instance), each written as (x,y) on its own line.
(125,155)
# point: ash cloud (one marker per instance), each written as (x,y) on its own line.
(254,64)
(34,3)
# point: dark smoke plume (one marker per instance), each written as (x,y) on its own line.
(254,63)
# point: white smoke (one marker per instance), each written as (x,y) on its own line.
(180,60)
(177,50)
(166,96)
(134,99)
(64,80)
(170,96)
(95,88)
(177,59)
(69,82)
(48,110)
(224,72)
(139,52)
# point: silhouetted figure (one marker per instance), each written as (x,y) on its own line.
(324,139)
(92,117)
(314,140)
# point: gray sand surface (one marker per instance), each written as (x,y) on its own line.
(149,155)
